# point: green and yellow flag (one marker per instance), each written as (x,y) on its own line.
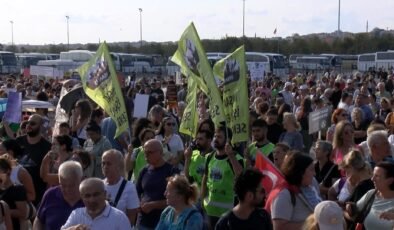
(232,69)
(101,84)
(190,116)
(193,61)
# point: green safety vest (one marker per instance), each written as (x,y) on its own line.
(220,184)
(197,167)
(140,162)
(266,150)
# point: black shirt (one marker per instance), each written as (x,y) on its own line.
(273,132)
(31,161)
(321,174)
(11,195)
(258,219)
(360,190)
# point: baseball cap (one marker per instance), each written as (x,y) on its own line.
(329,216)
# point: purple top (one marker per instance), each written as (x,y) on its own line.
(54,210)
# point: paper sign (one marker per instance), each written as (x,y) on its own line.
(13,111)
(141,105)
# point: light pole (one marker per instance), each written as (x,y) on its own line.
(243,19)
(140,9)
(12,32)
(68,33)
(339,17)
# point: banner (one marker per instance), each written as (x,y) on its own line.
(272,176)
(100,83)
(319,119)
(13,112)
(190,116)
(232,69)
(193,61)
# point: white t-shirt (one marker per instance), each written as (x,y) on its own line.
(128,199)
(175,144)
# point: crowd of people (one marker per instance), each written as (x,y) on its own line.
(76,174)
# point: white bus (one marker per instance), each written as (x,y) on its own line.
(273,63)
(385,60)
(62,65)
(293,60)
(81,56)
(136,63)
(366,62)
(8,63)
(172,68)
(312,63)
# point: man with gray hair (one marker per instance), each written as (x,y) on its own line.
(58,202)
(121,193)
(97,214)
(379,147)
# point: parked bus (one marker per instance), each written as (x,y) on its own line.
(366,62)
(348,62)
(385,60)
(8,63)
(293,60)
(172,68)
(313,63)
(271,62)
(81,56)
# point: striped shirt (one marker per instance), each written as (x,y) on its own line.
(110,218)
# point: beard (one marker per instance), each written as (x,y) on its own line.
(218,146)
(33,133)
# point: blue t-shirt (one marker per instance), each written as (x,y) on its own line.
(108,129)
(190,219)
(53,211)
(151,185)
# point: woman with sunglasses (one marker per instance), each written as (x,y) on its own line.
(360,127)
(337,116)
(343,141)
(172,142)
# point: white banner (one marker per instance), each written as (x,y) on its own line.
(46,71)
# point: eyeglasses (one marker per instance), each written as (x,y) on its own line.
(170,124)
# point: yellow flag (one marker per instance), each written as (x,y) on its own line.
(193,61)
(190,117)
(101,84)
(235,93)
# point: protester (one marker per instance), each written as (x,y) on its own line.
(59,153)
(292,136)
(135,158)
(180,213)
(151,185)
(343,141)
(221,168)
(34,146)
(96,145)
(14,196)
(79,120)
(59,201)
(260,142)
(121,194)
(292,202)
(376,206)
(97,213)
(247,214)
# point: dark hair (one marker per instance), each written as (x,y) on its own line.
(93,127)
(163,123)
(272,112)
(388,168)
(142,134)
(139,125)
(84,156)
(65,140)
(5,164)
(260,123)
(14,146)
(42,96)
(64,125)
(85,107)
(224,129)
(294,167)
(98,112)
(247,181)
(207,134)
(209,122)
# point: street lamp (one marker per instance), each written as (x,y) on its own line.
(68,33)
(140,9)
(12,32)
(243,19)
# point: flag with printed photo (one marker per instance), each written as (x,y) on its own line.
(189,120)
(232,70)
(100,83)
(193,61)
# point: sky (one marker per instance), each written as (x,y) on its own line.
(44,21)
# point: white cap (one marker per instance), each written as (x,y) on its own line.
(303,87)
(329,216)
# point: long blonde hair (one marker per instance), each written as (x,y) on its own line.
(338,134)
